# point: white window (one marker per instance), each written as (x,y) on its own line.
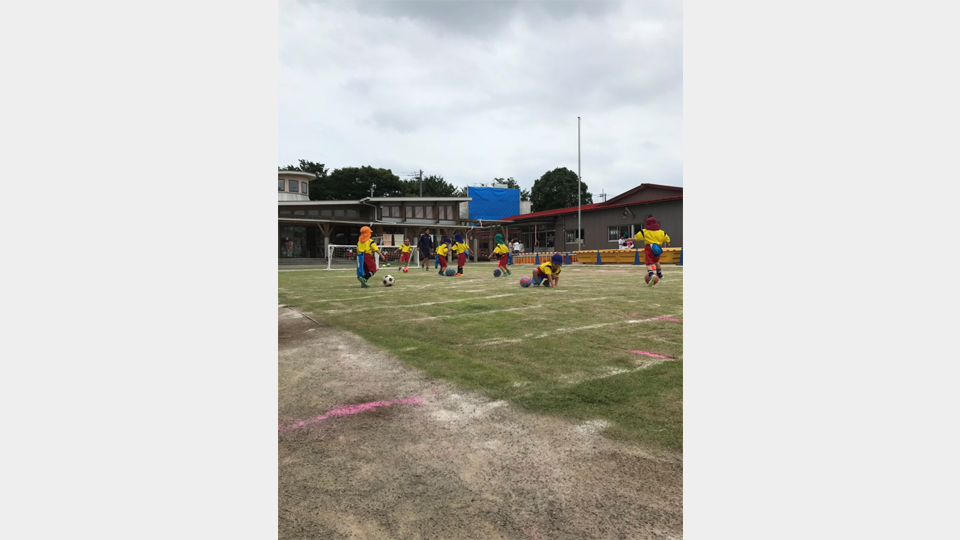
(572,236)
(303,187)
(614,233)
(294,186)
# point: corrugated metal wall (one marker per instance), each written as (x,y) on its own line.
(595,223)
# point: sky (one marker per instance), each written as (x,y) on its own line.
(476,90)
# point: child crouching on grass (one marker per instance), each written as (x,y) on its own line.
(366,264)
(503,252)
(549,270)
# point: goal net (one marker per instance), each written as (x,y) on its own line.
(344,257)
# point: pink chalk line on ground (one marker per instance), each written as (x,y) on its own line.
(347,410)
(655,355)
(670,319)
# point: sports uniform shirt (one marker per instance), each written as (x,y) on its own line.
(652,237)
(548,268)
(501,249)
(442,250)
(405,248)
(460,247)
(367,247)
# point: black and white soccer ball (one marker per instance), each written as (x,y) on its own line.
(387,280)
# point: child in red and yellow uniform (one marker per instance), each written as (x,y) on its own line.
(366,264)
(405,250)
(549,270)
(462,250)
(442,251)
(503,252)
(649,236)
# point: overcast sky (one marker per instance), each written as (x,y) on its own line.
(473,90)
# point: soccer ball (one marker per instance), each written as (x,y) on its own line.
(525,281)
(405,269)
(651,280)
(496,273)
(450,271)
(387,280)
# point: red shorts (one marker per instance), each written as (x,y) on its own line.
(648,256)
(504,259)
(404,257)
(443,262)
(461,259)
(369,263)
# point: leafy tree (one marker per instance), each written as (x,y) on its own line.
(352,183)
(558,189)
(317,186)
(433,186)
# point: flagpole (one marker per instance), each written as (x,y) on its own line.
(579,240)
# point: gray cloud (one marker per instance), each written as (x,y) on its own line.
(476,90)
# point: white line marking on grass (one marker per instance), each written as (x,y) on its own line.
(474,314)
(413,305)
(592,426)
(498,341)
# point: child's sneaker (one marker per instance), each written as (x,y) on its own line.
(650,279)
(546,283)
(659,275)
(363,283)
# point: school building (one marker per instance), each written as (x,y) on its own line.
(602,224)
(305,228)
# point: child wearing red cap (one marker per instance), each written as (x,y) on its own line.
(405,250)
(649,236)
(549,270)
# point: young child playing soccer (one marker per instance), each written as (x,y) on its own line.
(366,264)
(461,249)
(503,252)
(649,236)
(405,250)
(442,251)
(549,270)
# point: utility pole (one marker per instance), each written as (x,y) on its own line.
(579,240)
(418,175)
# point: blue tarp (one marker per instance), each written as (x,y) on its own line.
(493,203)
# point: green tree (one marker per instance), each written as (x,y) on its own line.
(558,189)
(433,186)
(317,186)
(352,183)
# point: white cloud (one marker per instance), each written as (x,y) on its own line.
(477,90)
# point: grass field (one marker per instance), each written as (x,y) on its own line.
(589,350)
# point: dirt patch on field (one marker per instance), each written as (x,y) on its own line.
(371,449)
